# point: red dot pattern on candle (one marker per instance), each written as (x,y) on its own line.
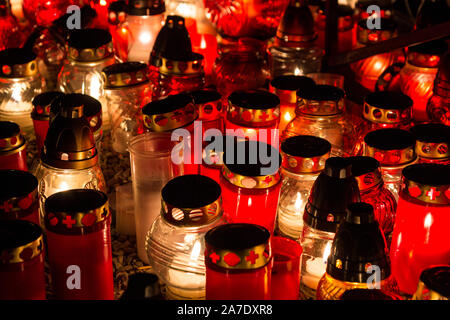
(415,191)
(252,257)
(231,259)
(214,257)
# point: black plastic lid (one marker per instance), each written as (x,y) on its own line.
(390,139)
(431,132)
(321,92)
(16,56)
(91,106)
(89,38)
(245,159)
(435,47)
(8,129)
(333,190)
(386,24)
(17,233)
(237,236)
(142,286)
(363,165)
(391,100)
(437,278)
(118,6)
(146,7)
(129,66)
(365,294)
(168,104)
(205,96)
(46,98)
(305,146)
(429,174)
(254,99)
(191,191)
(292,83)
(16,184)
(75,201)
(358,244)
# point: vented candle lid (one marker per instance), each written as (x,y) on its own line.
(126,74)
(11,139)
(90,45)
(18,193)
(432,140)
(17,63)
(42,103)
(208,104)
(320,100)
(367,171)
(388,107)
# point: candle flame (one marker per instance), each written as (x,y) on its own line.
(103,3)
(297,71)
(427,224)
(298,202)
(326,253)
(203,43)
(287,116)
(145,37)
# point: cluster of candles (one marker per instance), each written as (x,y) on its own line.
(251,179)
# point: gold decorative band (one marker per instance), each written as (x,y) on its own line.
(299,165)
(41,113)
(77,156)
(371,36)
(19,203)
(256,182)
(423,60)
(319,108)
(429,194)
(369,180)
(192,67)
(190,217)
(390,157)
(171,120)
(285,96)
(23,253)
(210,110)
(431,150)
(91,54)
(247,259)
(28,69)
(12,145)
(253,117)
(388,116)
(125,79)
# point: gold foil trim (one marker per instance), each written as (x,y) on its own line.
(169,67)
(12,145)
(431,150)
(90,54)
(429,194)
(210,110)
(391,157)
(388,116)
(302,165)
(285,96)
(23,253)
(28,69)
(125,79)
(190,217)
(257,182)
(369,180)
(171,120)
(252,117)
(19,203)
(247,259)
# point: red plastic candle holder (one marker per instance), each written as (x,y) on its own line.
(238,261)
(12,147)
(79,245)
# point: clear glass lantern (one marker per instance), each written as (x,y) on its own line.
(303,157)
(144,20)
(432,142)
(69,159)
(20,82)
(175,243)
(330,195)
(89,51)
(321,112)
(127,90)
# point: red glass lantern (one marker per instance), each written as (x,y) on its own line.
(250,189)
(394,149)
(438,107)
(12,147)
(245,18)
(384,109)
(418,75)
(210,108)
(44,12)
(285,87)
(367,71)
(41,115)
(79,244)
(286,269)
(432,142)
(19,196)
(238,262)
(420,237)
(21,261)
(254,115)
(117,14)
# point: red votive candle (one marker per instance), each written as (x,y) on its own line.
(420,237)
(238,262)
(21,261)
(286,269)
(79,245)
(19,196)
(250,190)
(41,115)
(13,153)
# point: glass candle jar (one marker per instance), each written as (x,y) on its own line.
(321,112)
(394,149)
(41,115)
(238,259)
(19,196)
(420,233)
(286,269)
(12,147)
(384,109)
(330,195)
(209,104)
(78,232)
(69,159)
(151,169)
(20,82)
(127,90)
(144,20)
(21,261)
(89,51)
(438,107)
(292,61)
(254,115)
(175,242)
(432,142)
(241,65)
(433,284)
(367,71)
(358,251)
(367,172)
(303,159)
(250,186)
(285,87)
(418,75)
